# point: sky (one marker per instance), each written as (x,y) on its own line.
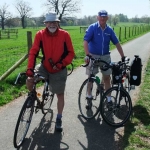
(131,8)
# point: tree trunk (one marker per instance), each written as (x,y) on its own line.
(23,22)
(3,25)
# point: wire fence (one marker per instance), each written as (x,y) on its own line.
(128,32)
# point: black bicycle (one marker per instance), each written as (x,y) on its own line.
(26,113)
(120,111)
(89,106)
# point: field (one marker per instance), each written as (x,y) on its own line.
(11,50)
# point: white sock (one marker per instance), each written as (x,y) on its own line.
(108,98)
(89,96)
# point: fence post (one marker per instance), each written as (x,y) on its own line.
(16,32)
(8,33)
(0,34)
(125,33)
(29,40)
(120,34)
(129,32)
(132,30)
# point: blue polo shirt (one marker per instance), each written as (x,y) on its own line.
(99,40)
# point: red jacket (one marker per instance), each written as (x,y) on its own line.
(52,46)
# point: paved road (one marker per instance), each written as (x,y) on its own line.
(78,134)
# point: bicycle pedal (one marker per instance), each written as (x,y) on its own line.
(36,109)
(50,110)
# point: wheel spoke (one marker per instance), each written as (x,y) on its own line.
(121,109)
(23,124)
(89,107)
(47,100)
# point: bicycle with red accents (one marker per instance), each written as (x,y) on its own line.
(43,104)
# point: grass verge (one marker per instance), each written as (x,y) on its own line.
(137,130)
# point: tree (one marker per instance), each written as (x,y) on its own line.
(122,18)
(110,19)
(24,10)
(115,20)
(4,15)
(145,19)
(63,7)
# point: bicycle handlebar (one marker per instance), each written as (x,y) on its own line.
(118,64)
(106,65)
(37,77)
(95,61)
(18,77)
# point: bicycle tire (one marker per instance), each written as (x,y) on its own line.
(121,109)
(47,99)
(21,129)
(89,108)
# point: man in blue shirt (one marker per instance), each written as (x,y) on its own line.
(96,44)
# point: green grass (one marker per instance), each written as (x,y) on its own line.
(137,130)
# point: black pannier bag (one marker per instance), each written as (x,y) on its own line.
(136,71)
(115,74)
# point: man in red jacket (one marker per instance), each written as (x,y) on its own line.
(54,43)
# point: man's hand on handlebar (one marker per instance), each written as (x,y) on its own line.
(125,59)
(30,72)
(87,58)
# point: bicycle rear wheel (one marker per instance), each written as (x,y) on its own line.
(47,99)
(121,108)
(23,123)
(89,108)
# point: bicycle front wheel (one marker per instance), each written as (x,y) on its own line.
(23,123)
(47,99)
(89,107)
(121,107)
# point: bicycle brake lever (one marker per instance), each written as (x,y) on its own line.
(17,78)
(84,65)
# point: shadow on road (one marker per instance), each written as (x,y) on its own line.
(100,136)
(44,137)
(142,115)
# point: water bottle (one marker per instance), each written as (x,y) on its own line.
(98,79)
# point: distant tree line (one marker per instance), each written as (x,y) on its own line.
(63,8)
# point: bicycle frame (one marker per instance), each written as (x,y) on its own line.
(93,76)
(124,71)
